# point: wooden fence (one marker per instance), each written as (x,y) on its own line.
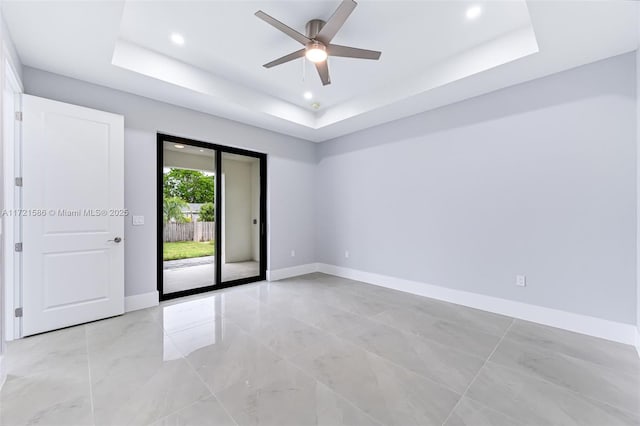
(193,231)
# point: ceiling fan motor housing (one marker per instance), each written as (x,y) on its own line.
(313,27)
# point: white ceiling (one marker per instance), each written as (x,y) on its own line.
(431,54)
(227,40)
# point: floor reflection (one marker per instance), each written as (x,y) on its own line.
(195,324)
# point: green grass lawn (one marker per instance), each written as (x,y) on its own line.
(187,249)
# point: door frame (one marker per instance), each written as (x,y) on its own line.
(219,149)
(11,288)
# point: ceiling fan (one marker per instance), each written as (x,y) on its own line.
(317,42)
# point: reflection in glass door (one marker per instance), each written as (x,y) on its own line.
(241,222)
(188,202)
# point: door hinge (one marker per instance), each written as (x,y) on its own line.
(18,246)
(18,181)
(18,115)
(18,313)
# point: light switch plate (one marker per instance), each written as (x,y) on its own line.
(138,220)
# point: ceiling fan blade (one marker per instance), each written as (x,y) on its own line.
(323,71)
(336,21)
(282,27)
(352,52)
(286,58)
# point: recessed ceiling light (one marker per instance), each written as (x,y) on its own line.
(308,95)
(474,12)
(202,150)
(179,146)
(177,39)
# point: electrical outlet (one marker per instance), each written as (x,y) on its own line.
(346,254)
(293,253)
(521,280)
(138,220)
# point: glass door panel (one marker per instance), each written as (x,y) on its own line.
(188,197)
(241,221)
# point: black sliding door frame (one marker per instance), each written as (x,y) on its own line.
(218,202)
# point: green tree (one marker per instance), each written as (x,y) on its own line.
(207,213)
(191,186)
(172,209)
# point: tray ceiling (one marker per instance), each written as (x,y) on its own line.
(432,53)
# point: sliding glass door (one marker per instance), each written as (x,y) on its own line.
(240,255)
(211,216)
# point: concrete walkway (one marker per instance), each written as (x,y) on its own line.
(195,276)
(193,261)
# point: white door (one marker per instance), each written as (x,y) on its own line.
(73,223)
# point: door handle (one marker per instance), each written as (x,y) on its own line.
(115,240)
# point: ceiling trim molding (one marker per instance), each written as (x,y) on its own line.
(507,48)
(143,61)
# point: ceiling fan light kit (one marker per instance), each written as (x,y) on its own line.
(316,52)
(317,41)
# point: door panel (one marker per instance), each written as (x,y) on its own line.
(92,162)
(241,220)
(73,202)
(188,236)
(88,266)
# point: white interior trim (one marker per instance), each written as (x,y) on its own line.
(638,341)
(14,73)
(598,327)
(12,291)
(3,373)
(133,57)
(294,271)
(141,301)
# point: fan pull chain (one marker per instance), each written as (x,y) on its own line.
(304,69)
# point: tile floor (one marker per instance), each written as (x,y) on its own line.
(318,350)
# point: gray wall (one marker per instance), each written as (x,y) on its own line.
(11,49)
(536,179)
(291,164)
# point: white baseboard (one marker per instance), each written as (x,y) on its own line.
(141,301)
(3,373)
(598,327)
(294,271)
